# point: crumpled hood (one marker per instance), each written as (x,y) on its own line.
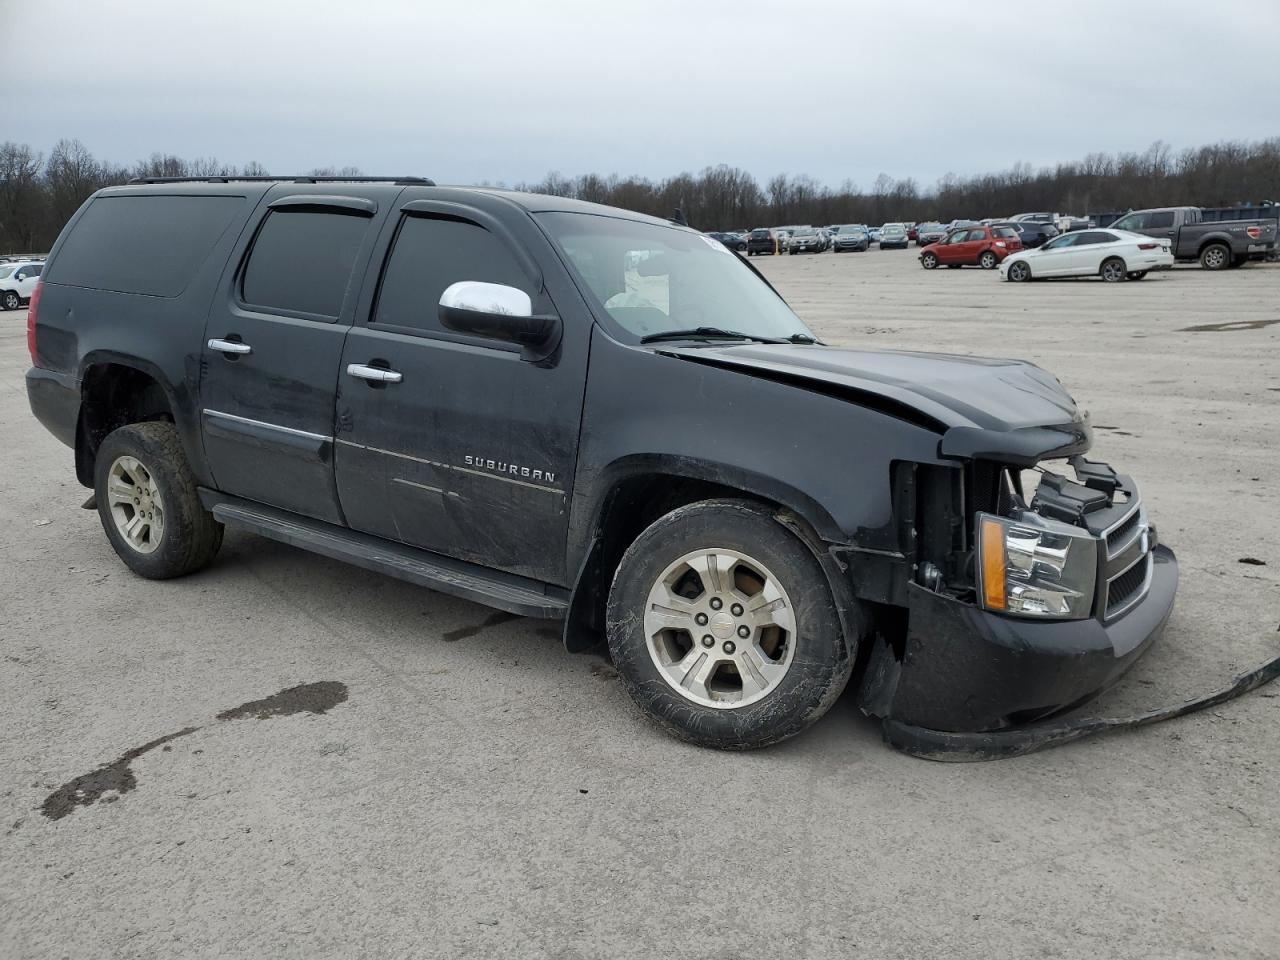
(973,399)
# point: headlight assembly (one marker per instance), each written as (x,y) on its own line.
(1031,566)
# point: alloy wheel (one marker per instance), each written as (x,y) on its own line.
(720,628)
(135,504)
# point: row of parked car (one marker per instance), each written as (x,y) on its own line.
(18,278)
(1032,245)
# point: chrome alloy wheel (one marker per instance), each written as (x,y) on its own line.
(720,628)
(135,504)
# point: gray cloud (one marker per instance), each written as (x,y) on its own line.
(506,91)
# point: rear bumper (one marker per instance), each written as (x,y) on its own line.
(55,401)
(964,669)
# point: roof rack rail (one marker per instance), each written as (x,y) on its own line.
(402,181)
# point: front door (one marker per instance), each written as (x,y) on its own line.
(465,446)
(1055,258)
(272,344)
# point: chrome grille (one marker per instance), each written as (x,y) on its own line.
(1126,568)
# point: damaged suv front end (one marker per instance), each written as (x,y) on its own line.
(1024,606)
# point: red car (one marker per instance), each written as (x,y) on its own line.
(980,246)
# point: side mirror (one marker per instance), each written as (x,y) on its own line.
(496,311)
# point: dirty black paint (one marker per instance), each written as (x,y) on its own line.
(493,620)
(89,788)
(1230,325)
(305,698)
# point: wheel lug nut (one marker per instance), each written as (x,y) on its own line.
(744,631)
(736,609)
(708,641)
(729,647)
(716,603)
(700,619)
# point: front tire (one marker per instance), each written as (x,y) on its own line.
(1018,272)
(1216,256)
(1113,270)
(148,504)
(723,628)
(10,300)
(929,260)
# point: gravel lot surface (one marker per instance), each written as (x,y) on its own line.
(479,792)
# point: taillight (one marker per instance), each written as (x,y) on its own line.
(1148,246)
(1253,232)
(1000,243)
(32,307)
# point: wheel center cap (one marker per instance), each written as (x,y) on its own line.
(722,625)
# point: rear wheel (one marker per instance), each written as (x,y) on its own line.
(1137,274)
(148,504)
(723,628)
(988,260)
(1113,270)
(10,300)
(929,260)
(1019,272)
(1216,256)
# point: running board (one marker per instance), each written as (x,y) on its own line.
(505,591)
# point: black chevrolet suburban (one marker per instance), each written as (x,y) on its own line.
(578,413)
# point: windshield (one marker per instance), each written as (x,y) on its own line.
(805,232)
(653,279)
(892,228)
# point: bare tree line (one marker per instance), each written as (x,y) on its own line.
(38,194)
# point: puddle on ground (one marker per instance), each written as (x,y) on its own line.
(306,698)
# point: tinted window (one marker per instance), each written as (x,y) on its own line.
(1094,236)
(301,261)
(1163,218)
(144,244)
(429,255)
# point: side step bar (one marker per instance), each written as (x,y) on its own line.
(505,591)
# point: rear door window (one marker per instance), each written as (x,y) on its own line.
(301,261)
(430,254)
(147,244)
(1162,218)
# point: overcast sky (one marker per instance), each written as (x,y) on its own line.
(507,91)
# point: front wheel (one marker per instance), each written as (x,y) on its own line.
(1216,256)
(723,628)
(148,504)
(1137,274)
(10,300)
(988,260)
(1113,270)
(929,260)
(1019,272)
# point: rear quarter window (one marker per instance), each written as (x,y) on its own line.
(1004,232)
(150,245)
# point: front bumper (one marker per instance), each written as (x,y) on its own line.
(964,669)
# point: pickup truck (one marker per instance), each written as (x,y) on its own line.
(583,414)
(1217,245)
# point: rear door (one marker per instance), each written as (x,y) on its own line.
(469,451)
(273,341)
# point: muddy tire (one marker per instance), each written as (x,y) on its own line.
(148,504)
(723,629)
(1216,256)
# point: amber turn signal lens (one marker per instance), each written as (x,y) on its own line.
(993,565)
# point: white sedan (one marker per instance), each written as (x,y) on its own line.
(1113,255)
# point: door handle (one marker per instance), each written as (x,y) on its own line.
(230,346)
(376,374)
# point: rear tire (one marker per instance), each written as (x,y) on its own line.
(1113,270)
(686,644)
(988,260)
(148,504)
(929,260)
(1216,256)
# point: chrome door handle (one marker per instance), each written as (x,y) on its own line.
(230,346)
(373,373)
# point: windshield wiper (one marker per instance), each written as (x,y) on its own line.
(801,338)
(709,333)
